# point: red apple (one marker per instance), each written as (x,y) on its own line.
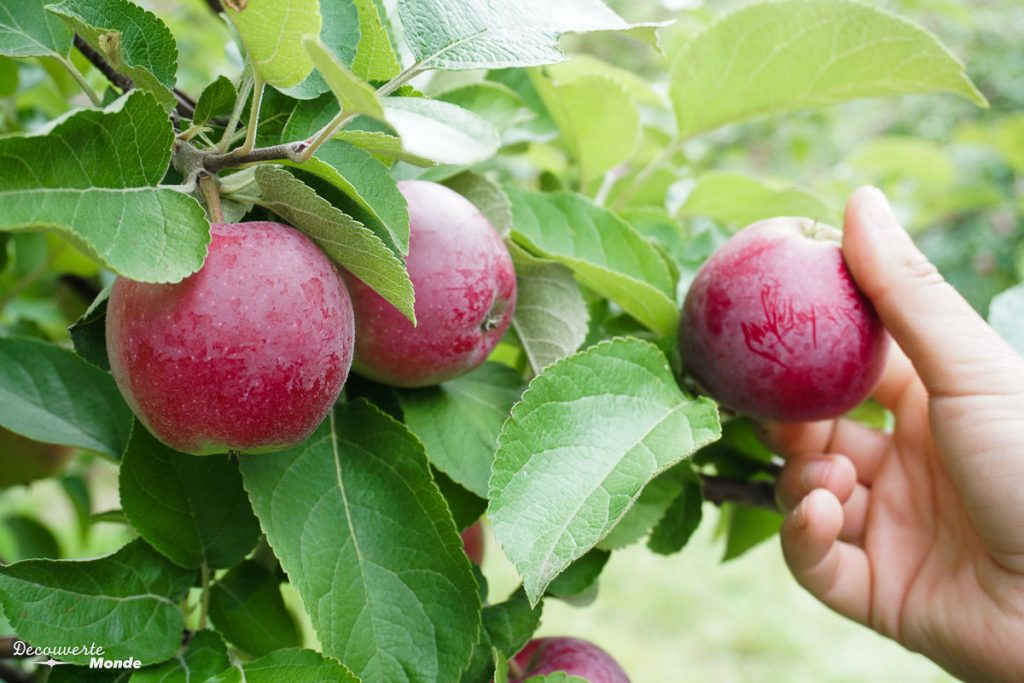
(775,327)
(473,542)
(248,354)
(465,289)
(23,460)
(574,656)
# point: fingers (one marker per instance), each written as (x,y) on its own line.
(954,351)
(835,474)
(864,446)
(836,573)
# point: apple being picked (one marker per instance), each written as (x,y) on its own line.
(573,656)
(465,289)
(248,354)
(774,326)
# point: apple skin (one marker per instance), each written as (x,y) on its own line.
(775,327)
(473,543)
(23,460)
(248,354)
(465,288)
(574,656)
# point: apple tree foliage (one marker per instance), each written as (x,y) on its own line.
(578,438)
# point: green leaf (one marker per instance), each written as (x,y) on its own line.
(591,431)
(485,195)
(604,252)
(748,527)
(127,601)
(440,131)
(28,30)
(494,102)
(375,58)
(102,196)
(273,31)
(557,677)
(741,199)
(344,239)
(381,145)
(640,90)
(89,333)
(551,317)
(51,395)
(370,193)
(205,657)
(468,34)
(466,507)
(681,519)
(599,121)
(508,626)
(192,509)
(354,94)
(217,99)
(83,674)
(367,541)
(289,666)
(32,538)
(649,508)
(459,421)
(340,32)
(134,41)
(775,57)
(581,574)
(1006,315)
(247,608)
(76,488)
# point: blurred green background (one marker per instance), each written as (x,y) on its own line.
(956,176)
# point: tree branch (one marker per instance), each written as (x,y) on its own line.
(123,83)
(185,105)
(758,494)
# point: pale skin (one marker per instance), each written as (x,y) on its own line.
(918,533)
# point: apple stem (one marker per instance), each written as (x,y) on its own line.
(209,186)
(244,88)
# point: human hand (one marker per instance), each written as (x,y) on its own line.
(918,534)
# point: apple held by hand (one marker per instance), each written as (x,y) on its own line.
(465,289)
(574,656)
(774,326)
(23,460)
(248,354)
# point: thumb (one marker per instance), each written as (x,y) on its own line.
(953,350)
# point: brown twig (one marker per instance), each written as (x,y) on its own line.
(758,494)
(215,6)
(123,83)
(7,647)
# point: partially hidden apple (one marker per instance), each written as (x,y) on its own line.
(248,354)
(465,288)
(23,460)
(775,327)
(573,656)
(473,543)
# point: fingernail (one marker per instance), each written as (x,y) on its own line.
(814,475)
(800,515)
(877,210)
